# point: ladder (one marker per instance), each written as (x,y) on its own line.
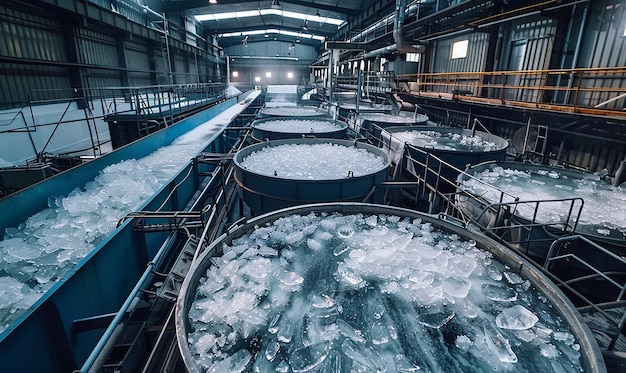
(540,141)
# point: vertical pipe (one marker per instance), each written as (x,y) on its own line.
(577,50)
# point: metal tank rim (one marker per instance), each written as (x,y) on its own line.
(379,118)
(591,354)
(240,155)
(501,143)
(470,171)
(340,129)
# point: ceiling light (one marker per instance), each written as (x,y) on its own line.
(276,4)
(212,1)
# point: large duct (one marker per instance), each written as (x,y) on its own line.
(398,38)
(400,44)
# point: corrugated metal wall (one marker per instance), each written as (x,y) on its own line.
(527,45)
(604,45)
(476,54)
(137,57)
(98,48)
(31,37)
(44,50)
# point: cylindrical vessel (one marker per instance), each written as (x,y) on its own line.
(354,285)
(279,128)
(438,154)
(264,192)
(372,124)
(292,111)
(565,200)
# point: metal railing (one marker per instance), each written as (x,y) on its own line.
(594,91)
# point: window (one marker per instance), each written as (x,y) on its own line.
(412,57)
(235,74)
(459,49)
(290,75)
(257,78)
(268,74)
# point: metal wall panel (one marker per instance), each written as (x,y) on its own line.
(474,61)
(27,35)
(137,58)
(604,45)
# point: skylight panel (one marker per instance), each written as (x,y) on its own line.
(266,12)
(272,31)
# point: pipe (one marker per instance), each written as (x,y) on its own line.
(581,32)
(89,363)
(400,44)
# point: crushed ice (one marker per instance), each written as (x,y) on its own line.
(298,125)
(319,161)
(603,203)
(394,295)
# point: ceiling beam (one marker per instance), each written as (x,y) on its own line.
(176,5)
(267,26)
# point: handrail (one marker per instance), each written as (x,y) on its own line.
(596,91)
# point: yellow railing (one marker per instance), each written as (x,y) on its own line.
(587,91)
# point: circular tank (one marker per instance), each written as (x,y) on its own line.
(297,127)
(292,111)
(371,124)
(453,147)
(352,286)
(563,201)
(267,191)
(388,120)
(345,109)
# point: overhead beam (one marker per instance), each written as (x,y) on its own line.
(176,5)
(268,26)
(345,45)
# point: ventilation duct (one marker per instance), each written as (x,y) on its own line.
(400,45)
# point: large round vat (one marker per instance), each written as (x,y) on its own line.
(346,109)
(297,171)
(437,154)
(561,195)
(292,111)
(350,287)
(372,124)
(403,118)
(297,127)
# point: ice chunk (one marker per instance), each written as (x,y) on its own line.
(499,345)
(349,332)
(359,355)
(513,278)
(421,279)
(403,364)
(235,363)
(307,359)
(313,244)
(516,318)
(499,293)
(379,333)
(549,351)
(463,342)
(271,350)
(435,320)
(18,248)
(290,279)
(456,286)
(274,324)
